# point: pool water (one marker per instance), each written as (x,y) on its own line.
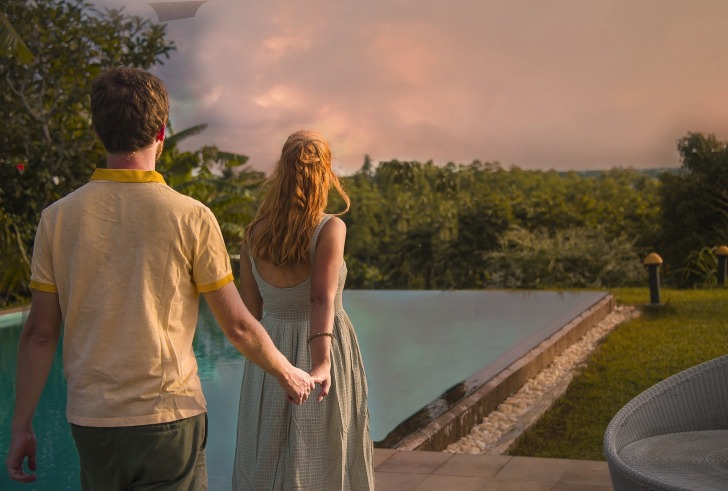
(415,344)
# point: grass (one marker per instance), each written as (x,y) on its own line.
(691,327)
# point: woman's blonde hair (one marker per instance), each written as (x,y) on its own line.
(297,193)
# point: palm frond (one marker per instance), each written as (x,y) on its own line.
(231,159)
(12,43)
(174,138)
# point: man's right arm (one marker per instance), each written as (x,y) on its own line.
(251,339)
(36,350)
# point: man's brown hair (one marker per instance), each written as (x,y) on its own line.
(129,106)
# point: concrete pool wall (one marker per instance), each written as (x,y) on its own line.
(463,415)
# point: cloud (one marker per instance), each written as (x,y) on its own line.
(556,84)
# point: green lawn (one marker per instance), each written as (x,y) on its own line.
(691,328)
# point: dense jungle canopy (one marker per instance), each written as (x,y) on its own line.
(412,225)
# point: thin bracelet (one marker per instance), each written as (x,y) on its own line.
(313,336)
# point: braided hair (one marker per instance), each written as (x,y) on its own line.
(296,197)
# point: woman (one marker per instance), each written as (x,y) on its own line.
(292,273)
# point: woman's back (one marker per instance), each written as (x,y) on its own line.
(287,276)
(283,287)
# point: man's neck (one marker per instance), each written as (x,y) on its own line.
(144,159)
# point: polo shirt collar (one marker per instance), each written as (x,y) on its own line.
(126,175)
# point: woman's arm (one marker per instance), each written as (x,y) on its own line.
(324,282)
(248,287)
(252,340)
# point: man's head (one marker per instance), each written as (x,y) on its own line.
(129,108)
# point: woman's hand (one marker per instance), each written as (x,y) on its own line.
(321,374)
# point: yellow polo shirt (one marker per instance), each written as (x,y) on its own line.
(128,256)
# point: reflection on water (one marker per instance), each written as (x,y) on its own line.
(421,349)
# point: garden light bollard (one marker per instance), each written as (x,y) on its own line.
(653,261)
(722,254)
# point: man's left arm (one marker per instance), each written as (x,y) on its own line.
(36,350)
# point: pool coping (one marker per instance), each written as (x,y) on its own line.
(457,421)
(13,316)
(14,310)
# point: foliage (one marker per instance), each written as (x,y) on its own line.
(15,264)
(45,104)
(694,207)
(215,178)
(11,43)
(417,225)
(574,258)
(632,358)
(701,267)
(47,144)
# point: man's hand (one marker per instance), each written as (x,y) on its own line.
(22,445)
(297,384)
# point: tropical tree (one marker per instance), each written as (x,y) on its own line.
(47,144)
(418,225)
(217,178)
(694,208)
(368,228)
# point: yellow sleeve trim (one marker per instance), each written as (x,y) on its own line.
(211,287)
(43,287)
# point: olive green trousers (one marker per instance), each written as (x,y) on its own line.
(165,456)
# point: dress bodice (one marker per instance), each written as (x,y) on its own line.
(294,302)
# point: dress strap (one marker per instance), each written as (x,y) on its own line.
(314,237)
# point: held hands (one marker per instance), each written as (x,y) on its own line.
(22,445)
(297,384)
(321,374)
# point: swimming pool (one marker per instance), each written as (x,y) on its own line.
(416,345)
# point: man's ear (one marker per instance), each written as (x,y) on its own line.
(160,135)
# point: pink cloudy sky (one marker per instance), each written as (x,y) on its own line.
(539,84)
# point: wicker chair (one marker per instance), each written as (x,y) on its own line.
(674,435)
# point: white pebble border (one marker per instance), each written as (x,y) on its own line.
(539,392)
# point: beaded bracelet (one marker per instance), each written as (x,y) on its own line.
(312,336)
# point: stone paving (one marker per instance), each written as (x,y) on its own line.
(402,470)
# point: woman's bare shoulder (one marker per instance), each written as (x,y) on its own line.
(335,223)
(333,234)
(334,228)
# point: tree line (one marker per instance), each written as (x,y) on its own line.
(418,225)
(412,225)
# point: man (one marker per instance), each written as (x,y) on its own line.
(121,261)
